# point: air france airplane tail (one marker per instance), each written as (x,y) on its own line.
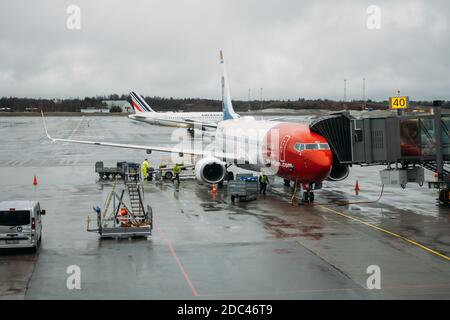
(227,106)
(139,104)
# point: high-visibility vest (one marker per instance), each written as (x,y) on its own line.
(177,169)
(263,178)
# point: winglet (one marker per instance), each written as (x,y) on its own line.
(45,127)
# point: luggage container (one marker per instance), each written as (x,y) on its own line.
(244,188)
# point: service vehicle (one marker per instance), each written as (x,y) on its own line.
(20,224)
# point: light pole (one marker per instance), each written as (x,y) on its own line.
(260,97)
(345,91)
(399,111)
(364,92)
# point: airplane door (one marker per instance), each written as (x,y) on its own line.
(283,145)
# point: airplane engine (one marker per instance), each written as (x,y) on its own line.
(210,170)
(338,171)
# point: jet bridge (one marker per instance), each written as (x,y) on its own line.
(404,143)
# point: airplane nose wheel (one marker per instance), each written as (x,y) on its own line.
(308,196)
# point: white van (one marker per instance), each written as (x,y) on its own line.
(20,224)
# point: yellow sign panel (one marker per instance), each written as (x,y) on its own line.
(399,102)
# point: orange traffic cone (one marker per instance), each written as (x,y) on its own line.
(35,181)
(356,187)
(214,188)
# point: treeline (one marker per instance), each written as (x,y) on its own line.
(47,105)
(188,104)
(15,104)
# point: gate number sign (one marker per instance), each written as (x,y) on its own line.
(399,102)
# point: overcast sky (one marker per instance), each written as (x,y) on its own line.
(291,49)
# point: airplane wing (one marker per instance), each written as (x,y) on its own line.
(148,148)
(168,149)
(276,118)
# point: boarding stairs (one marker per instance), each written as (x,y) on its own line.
(137,222)
(134,193)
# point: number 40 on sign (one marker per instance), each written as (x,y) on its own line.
(399,102)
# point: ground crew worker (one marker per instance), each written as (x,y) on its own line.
(123,217)
(263,182)
(144,168)
(176,172)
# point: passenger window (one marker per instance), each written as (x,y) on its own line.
(324,146)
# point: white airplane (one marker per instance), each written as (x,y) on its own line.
(188,120)
(290,150)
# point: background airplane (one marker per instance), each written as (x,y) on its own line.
(144,113)
(290,150)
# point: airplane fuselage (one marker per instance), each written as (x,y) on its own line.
(173,119)
(291,150)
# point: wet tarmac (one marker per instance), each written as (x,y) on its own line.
(205,247)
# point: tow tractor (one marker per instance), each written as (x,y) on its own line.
(124,214)
(165,170)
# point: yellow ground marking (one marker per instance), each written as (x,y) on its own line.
(421,246)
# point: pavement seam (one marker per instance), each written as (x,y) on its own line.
(32,272)
(329,263)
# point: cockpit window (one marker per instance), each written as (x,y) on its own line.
(311,146)
(299,146)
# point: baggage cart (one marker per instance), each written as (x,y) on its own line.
(244,188)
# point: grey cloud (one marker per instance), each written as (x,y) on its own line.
(291,49)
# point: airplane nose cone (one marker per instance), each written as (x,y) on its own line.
(322,160)
(317,165)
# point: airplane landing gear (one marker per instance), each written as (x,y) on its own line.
(308,193)
(191,132)
(308,196)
